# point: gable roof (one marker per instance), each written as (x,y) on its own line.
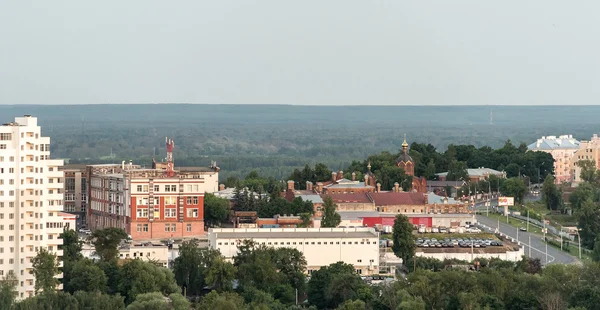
(552,142)
(401,198)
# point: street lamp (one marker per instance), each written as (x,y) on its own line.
(579,241)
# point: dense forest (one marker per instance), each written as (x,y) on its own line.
(276,139)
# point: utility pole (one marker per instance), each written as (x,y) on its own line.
(527,220)
(529,245)
(546,253)
(517,235)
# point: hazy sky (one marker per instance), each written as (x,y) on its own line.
(400,52)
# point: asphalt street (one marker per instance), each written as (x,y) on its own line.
(538,247)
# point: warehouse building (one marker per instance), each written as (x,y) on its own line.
(320,246)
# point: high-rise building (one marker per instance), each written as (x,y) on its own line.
(31,200)
(562,149)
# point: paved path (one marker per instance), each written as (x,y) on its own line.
(538,246)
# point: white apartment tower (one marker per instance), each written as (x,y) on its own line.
(31,200)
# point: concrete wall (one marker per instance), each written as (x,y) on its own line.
(510,256)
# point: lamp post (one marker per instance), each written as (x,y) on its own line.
(579,241)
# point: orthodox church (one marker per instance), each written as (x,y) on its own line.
(406,163)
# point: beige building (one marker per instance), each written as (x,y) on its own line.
(562,149)
(320,246)
(31,201)
(154,252)
(588,150)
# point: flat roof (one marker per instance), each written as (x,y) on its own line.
(294,235)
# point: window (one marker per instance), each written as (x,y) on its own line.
(139,188)
(142,213)
(170,212)
(173,188)
(5,136)
(171,227)
(192,212)
(170,200)
(189,200)
(195,198)
(157,188)
(145,188)
(188,228)
(2,146)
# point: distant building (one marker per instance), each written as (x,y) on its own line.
(320,246)
(76,191)
(152,203)
(406,163)
(476,174)
(562,149)
(588,150)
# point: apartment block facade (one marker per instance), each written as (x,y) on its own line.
(149,203)
(76,192)
(31,200)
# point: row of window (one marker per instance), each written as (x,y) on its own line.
(305,243)
(169,188)
(168,213)
(71,197)
(168,227)
(169,200)
(24,158)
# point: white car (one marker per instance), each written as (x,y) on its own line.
(473,230)
(85,231)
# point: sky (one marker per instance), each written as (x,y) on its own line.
(334,52)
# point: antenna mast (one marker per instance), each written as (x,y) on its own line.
(170,144)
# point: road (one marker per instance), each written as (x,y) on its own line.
(538,247)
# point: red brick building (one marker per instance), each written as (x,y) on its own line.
(149,203)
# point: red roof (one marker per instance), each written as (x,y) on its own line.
(401,198)
(349,198)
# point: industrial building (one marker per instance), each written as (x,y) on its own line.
(320,246)
(31,201)
(156,203)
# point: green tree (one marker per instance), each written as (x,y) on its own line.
(429,173)
(330,217)
(221,301)
(71,245)
(306,220)
(596,251)
(320,283)
(87,276)
(189,267)
(220,274)
(8,285)
(404,243)
(106,242)
(589,172)
(156,301)
(216,210)
(139,277)
(98,301)
(584,192)
(45,267)
(457,171)
(352,305)
(588,223)
(551,195)
(514,187)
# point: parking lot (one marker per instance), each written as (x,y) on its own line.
(462,242)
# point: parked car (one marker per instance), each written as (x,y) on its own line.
(522,229)
(473,230)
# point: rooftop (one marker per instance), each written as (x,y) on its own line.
(281,233)
(349,198)
(547,143)
(477,172)
(312,198)
(398,198)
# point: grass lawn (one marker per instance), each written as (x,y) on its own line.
(515,222)
(562,220)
